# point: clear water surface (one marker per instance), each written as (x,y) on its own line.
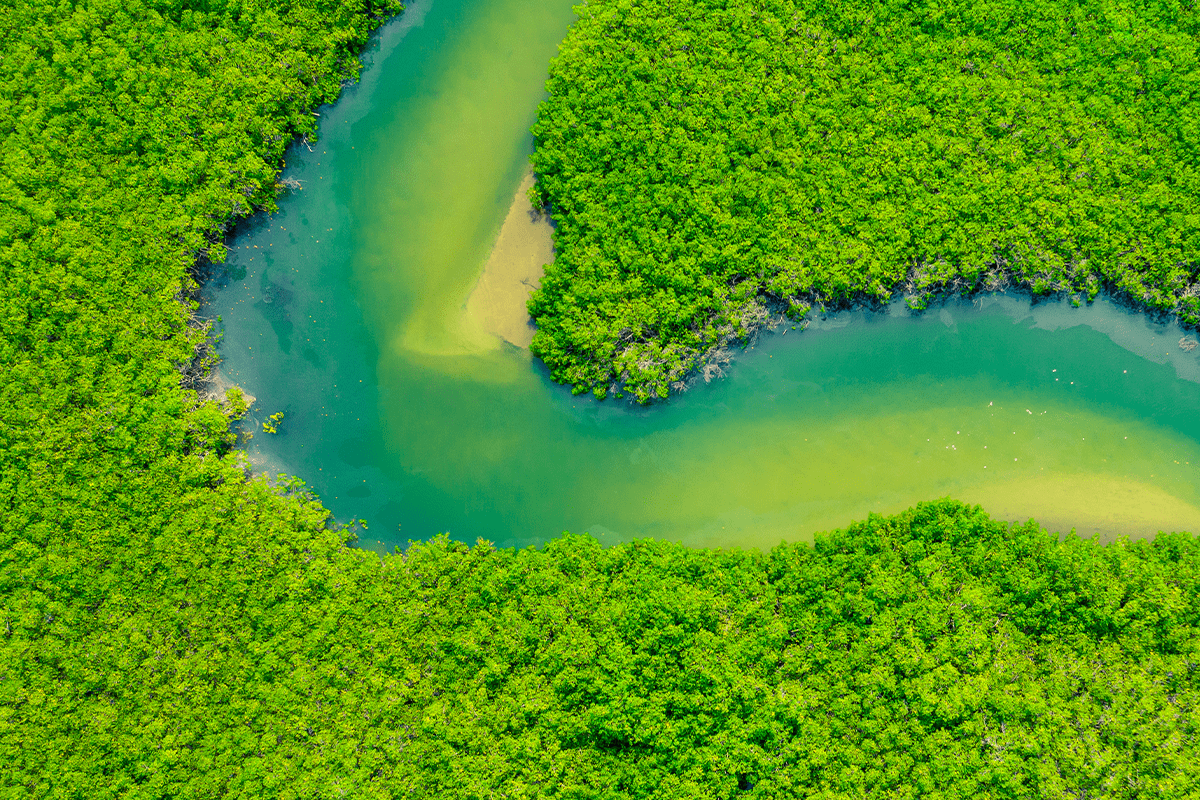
(346,311)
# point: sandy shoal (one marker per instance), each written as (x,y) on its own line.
(513,270)
(1091,504)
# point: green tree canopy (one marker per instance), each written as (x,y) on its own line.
(170,628)
(935,653)
(710,163)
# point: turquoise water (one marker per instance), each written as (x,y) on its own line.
(346,311)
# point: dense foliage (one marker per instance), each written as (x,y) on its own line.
(171,629)
(933,654)
(132,132)
(710,162)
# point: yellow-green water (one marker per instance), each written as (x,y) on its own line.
(347,311)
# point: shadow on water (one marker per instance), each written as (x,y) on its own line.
(347,310)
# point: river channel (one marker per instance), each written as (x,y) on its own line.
(348,312)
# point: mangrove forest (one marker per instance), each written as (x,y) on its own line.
(179,621)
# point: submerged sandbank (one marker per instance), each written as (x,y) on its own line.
(523,248)
(1092,505)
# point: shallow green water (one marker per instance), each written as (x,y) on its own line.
(345,311)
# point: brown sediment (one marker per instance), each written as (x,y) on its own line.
(217,383)
(513,270)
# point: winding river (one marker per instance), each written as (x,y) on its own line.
(354,311)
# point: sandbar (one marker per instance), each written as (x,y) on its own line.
(513,270)
(1093,505)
